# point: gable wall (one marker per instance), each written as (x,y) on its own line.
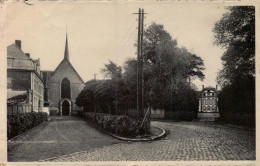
(64,71)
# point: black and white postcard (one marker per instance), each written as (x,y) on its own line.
(129,82)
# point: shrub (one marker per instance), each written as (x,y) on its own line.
(19,123)
(240,119)
(236,102)
(121,125)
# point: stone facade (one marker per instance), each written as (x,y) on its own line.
(62,86)
(208,101)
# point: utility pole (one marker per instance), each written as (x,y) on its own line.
(142,61)
(140,81)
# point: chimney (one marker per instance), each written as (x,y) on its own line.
(38,61)
(28,55)
(18,43)
(202,87)
(216,87)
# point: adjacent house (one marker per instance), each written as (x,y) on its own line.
(24,81)
(208,101)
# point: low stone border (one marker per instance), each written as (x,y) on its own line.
(152,138)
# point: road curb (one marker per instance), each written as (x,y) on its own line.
(152,138)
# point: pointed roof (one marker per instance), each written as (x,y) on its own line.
(19,59)
(66,52)
(13,51)
(209,87)
(66,59)
(70,65)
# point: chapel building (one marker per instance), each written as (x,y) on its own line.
(62,86)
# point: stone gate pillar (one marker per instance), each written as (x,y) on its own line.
(70,108)
(60,108)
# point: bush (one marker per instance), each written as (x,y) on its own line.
(236,102)
(19,123)
(121,125)
(247,120)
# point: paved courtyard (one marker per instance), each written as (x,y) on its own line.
(185,141)
(60,136)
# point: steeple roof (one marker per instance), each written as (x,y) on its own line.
(66,61)
(66,52)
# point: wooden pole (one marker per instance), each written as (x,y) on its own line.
(141,61)
(138,62)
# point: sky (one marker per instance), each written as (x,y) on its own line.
(102,31)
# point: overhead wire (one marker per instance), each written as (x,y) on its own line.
(123,39)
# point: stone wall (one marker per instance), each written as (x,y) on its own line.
(20,80)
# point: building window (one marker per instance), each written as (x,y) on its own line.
(65,88)
(9,83)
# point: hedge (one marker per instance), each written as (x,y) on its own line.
(240,119)
(181,115)
(120,125)
(19,123)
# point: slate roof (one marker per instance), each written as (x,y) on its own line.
(209,88)
(16,96)
(19,59)
(66,58)
(12,93)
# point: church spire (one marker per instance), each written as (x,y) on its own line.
(66,52)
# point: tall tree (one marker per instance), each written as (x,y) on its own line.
(166,70)
(172,68)
(155,35)
(235,32)
(111,70)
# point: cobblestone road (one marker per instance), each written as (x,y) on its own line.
(185,141)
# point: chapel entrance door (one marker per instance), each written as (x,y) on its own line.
(65,108)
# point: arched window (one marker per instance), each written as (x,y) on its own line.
(65,88)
